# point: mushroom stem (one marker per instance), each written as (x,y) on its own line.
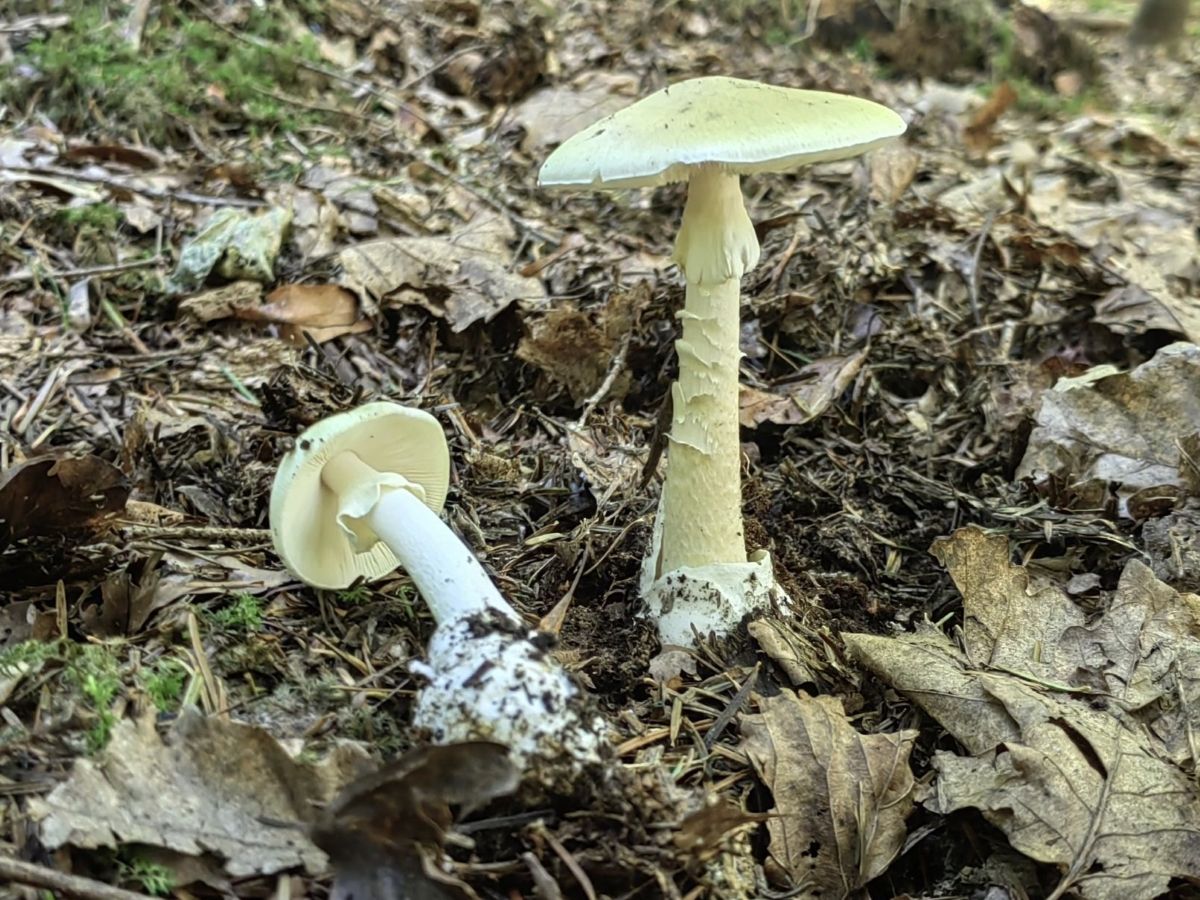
(702,497)
(447,575)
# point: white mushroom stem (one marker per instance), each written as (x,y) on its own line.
(487,676)
(698,579)
(702,496)
(448,576)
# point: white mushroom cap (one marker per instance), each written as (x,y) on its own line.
(742,127)
(320,536)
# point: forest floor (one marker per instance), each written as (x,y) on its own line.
(971,438)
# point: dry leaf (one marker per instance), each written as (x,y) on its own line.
(223,779)
(1119,429)
(132,157)
(893,168)
(1082,790)
(1146,236)
(1130,310)
(702,833)
(323,311)
(1144,652)
(553,114)
(1011,624)
(794,653)
(1072,726)
(602,456)
(929,665)
(47,494)
(382,830)
(222,302)
(127,599)
(141,218)
(841,797)
(978,134)
(464,279)
(235,243)
(502,70)
(802,401)
(315,223)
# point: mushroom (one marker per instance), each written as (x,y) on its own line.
(358,496)
(709,132)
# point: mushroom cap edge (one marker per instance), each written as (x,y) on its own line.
(303,512)
(745,127)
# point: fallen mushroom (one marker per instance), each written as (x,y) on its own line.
(358,496)
(709,132)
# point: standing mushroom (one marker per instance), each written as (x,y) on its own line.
(709,132)
(358,496)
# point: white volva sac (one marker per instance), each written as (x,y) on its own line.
(709,132)
(359,496)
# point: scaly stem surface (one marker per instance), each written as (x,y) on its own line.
(702,495)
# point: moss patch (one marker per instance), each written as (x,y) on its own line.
(188,71)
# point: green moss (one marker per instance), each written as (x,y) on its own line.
(862,50)
(29,655)
(1040,102)
(777,36)
(95,671)
(164,682)
(89,76)
(153,878)
(102,217)
(355,596)
(244,614)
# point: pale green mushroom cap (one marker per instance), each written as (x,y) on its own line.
(743,127)
(319,535)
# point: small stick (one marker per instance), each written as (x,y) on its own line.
(82,273)
(72,885)
(615,367)
(111,181)
(211,533)
(34,23)
(135,25)
(721,722)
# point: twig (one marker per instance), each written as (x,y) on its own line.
(135,25)
(414,80)
(27,415)
(380,93)
(810,19)
(976,258)
(215,701)
(610,378)
(14,870)
(19,277)
(312,107)
(209,533)
(788,253)
(124,185)
(568,860)
(731,709)
(34,23)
